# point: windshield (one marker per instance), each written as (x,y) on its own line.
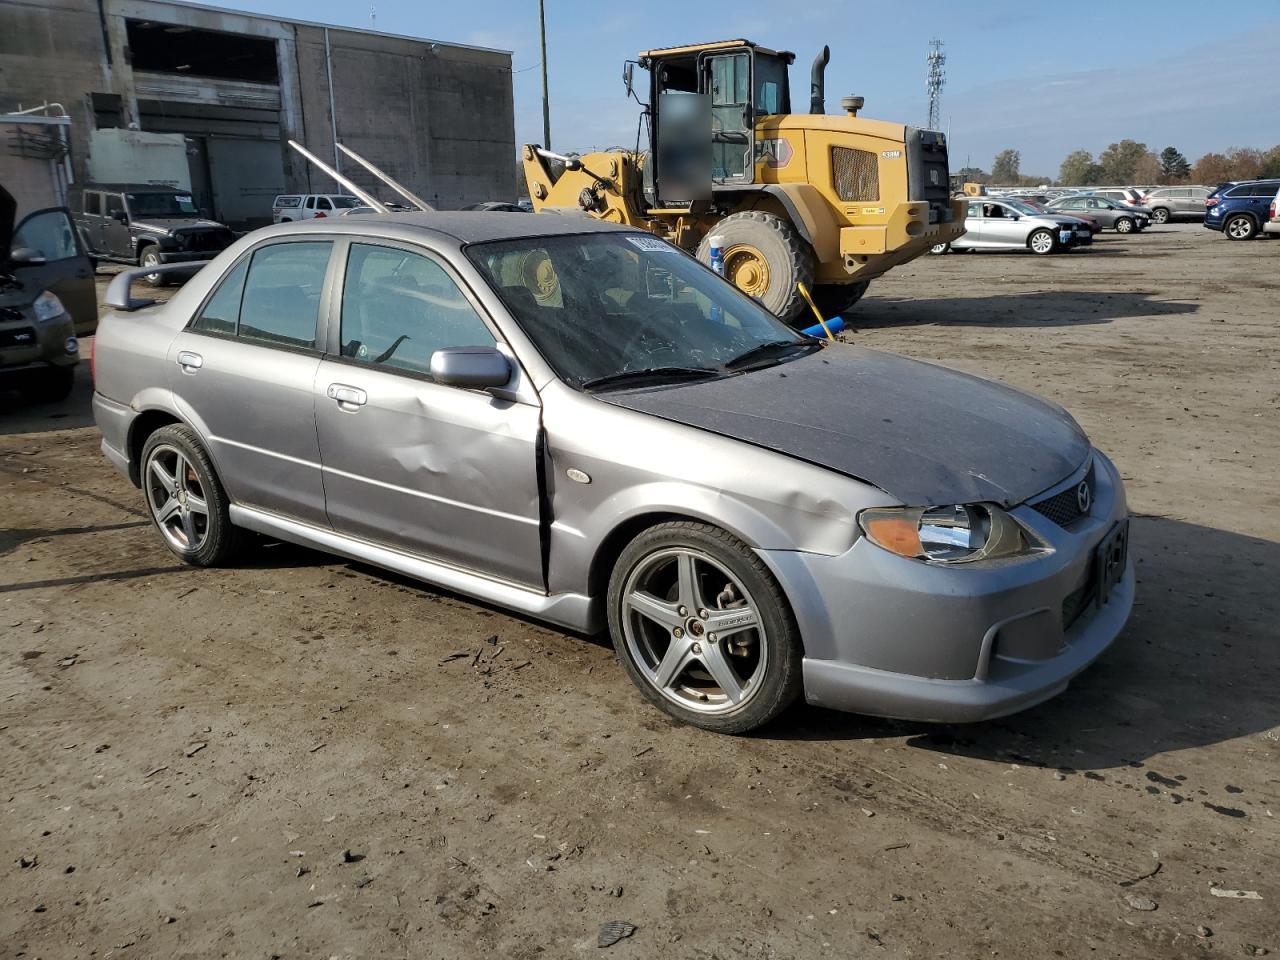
(1022,207)
(603,306)
(346,203)
(161,205)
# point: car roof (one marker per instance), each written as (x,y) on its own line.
(462,226)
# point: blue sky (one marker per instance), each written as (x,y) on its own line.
(1043,78)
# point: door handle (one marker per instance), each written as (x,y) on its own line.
(348,397)
(190,362)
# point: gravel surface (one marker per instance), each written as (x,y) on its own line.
(285,759)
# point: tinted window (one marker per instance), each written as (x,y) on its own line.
(114,203)
(345,203)
(162,205)
(323,204)
(287,201)
(1267,188)
(223,309)
(1244,190)
(282,293)
(93,203)
(50,233)
(311,203)
(398,308)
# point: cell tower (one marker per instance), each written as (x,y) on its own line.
(936,59)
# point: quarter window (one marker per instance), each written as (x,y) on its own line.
(222,312)
(398,308)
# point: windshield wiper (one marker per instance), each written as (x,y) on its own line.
(649,373)
(768,349)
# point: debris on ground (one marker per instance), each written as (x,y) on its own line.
(1145,904)
(349,857)
(194,748)
(1235,894)
(613,931)
(1147,875)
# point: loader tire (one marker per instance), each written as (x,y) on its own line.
(836,299)
(766,258)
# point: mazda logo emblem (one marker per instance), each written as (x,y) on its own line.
(1084,496)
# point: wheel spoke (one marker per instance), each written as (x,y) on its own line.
(167,510)
(167,480)
(690,595)
(180,471)
(725,623)
(721,672)
(197,504)
(189,528)
(659,611)
(673,663)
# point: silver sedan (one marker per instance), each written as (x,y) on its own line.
(579,422)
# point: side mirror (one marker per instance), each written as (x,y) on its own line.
(476,367)
(26,257)
(119,216)
(626,76)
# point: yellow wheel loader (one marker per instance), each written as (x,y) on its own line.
(830,202)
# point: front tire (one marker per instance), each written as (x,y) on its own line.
(185,499)
(150,257)
(938,249)
(1042,242)
(703,629)
(1160,215)
(1240,227)
(836,299)
(1125,225)
(765,257)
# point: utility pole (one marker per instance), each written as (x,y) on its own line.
(936,59)
(546,103)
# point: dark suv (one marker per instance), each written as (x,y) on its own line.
(146,225)
(1240,209)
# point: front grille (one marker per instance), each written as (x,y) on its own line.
(21,337)
(856,174)
(9,314)
(1064,508)
(205,240)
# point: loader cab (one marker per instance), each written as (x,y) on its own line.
(710,139)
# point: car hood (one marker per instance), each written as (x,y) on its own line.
(922,433)
(176,225)
(1062,219)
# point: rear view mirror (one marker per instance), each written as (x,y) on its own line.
(626,76)
(26,257)
(476,367)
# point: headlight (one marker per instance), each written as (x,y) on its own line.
(47,306)
(953,534)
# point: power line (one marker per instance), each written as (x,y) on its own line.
(937,60)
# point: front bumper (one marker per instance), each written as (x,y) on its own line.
(187,256)
(887,636)
(32,345)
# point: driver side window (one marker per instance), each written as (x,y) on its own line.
(49,233)
(730,92)
(398,308)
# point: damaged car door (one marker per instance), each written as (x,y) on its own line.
(435,469)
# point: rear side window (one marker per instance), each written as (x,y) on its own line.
(272,296)
(324,204)
(398,308)
(93,203)
(288,201)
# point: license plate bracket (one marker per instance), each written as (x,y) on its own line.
(1111,557)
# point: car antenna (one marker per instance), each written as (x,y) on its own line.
(339,178)
(398,188)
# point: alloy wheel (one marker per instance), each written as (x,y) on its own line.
(1041,242)
(1124,225)
(176,499)
(151,260)
(1240,228)
(1159,215)
(693,630)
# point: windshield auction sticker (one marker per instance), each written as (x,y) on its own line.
(652,244)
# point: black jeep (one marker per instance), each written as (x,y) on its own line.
(145,225)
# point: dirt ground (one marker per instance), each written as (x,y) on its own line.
(283,760)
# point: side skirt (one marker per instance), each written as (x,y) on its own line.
(571,610)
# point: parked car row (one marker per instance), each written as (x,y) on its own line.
(1010,223)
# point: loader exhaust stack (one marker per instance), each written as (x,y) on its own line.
(818,82)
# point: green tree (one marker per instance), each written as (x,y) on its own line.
(1119,160)
(1078,169)
(1005,167)
(1173,164)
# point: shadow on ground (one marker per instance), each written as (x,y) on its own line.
(1041,308)
(1195,666)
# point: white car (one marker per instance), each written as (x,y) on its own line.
(307,206)
(1273,216)
(1009,224)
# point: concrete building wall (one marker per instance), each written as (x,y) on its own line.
(438,116)
(439,119)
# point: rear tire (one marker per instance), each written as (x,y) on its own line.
(185,499)
(753,236)
(1160,215)
(1125,225)
(1042,242)
(938,249)
(660,587)
(837,299)
(149,256)
(1240,227)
